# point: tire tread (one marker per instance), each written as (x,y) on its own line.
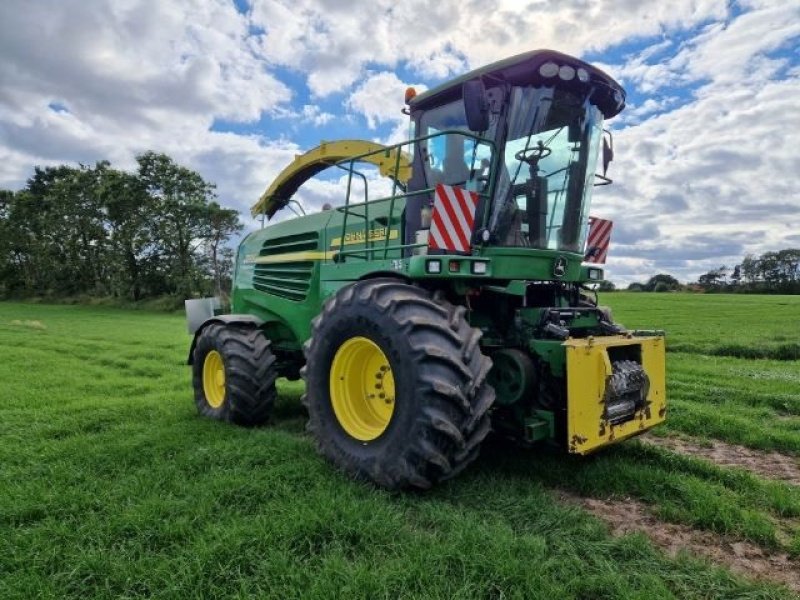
(454,419)
(250,373)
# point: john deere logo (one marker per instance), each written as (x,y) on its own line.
(560,266)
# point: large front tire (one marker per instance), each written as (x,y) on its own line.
(396,385)
(233,374)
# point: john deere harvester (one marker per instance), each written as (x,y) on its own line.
(455,304)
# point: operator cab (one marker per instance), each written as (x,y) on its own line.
(525,134)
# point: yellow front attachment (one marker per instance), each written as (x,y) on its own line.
(588,373)
(362,388)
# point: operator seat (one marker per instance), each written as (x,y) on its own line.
(455,169)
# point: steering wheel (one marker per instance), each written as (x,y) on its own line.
(533,155)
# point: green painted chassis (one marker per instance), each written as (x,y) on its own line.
(288,322)
(508,270)
(364,240)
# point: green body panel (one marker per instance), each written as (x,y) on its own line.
(286,321)
(335,264)
(529,264)
(335,251)
(551,352)
(331,249)
(540,425)
(521,264)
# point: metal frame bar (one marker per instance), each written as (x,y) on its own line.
(369,252)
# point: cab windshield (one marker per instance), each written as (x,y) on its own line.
(544,183)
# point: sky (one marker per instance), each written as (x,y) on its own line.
(707,152)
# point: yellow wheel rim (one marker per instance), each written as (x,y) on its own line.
(214,379)
(362,388)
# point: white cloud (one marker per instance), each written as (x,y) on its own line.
(723,52)
(380,98)
(634,114)
(312,114)
(714,169)
(134,60)
(133,76)
(241,166)
(334,41)
(307,114)
(708,153)
(331,188)
(697,177)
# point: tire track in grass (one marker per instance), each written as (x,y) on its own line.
(770,465)
(629,516)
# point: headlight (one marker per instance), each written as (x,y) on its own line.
(433,266)
(596,274)
(479,267)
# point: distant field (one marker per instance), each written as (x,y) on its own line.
(111,485)
(742,325)
(712,389)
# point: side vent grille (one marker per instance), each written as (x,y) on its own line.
(290,243)
(288,279)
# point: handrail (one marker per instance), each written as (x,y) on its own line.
(327,154)
(367,251)
(345,155)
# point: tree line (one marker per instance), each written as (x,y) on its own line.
(772,272)
(103,232)
(769,273)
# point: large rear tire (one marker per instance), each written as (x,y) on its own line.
(233,373)
(396,385)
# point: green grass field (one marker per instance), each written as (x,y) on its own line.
(739,325)
(112,486)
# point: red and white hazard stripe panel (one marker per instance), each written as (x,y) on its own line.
(598,240)
(453,219)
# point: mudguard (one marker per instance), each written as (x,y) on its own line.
(250,320)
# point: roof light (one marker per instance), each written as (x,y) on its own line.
(583,75)
(566,73)
(410,94)
(548,69)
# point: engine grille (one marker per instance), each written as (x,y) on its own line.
(290,278)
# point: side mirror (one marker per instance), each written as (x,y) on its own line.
(476,105)
(608,151)
(608,156)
